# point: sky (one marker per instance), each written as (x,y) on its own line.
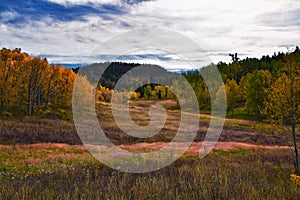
(69,31)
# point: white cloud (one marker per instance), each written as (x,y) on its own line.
(220,27)
(8,15)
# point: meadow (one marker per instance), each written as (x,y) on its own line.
(42,158)
(68,172)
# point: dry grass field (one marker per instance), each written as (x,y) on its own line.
(44,159)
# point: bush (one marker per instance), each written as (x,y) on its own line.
(6,114)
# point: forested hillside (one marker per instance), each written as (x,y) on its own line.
(112,74)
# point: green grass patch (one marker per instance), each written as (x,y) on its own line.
(241,115)
(238,152)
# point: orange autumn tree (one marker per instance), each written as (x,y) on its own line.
(12,66)
(30,86)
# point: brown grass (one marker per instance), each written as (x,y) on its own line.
(255,175)
(30,130)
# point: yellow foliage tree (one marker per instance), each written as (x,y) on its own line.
(282,104)
(29,85)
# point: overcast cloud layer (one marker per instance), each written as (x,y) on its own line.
(67,31)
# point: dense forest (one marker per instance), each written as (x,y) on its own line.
(268,87)
(30,86)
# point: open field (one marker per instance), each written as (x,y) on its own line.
(29,130)
(53,171)
(44,159)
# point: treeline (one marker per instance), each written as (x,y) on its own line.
(112,72)
(30,86)
(266,87)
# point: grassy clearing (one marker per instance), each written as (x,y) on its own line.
(30,130)
(22,156)
(60,171)
(239,174)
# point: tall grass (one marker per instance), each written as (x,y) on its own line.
(257,175)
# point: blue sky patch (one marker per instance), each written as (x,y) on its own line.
(19,12)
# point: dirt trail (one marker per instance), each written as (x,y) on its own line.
(195,147)
(58,151)
(171,102)
(239,121)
